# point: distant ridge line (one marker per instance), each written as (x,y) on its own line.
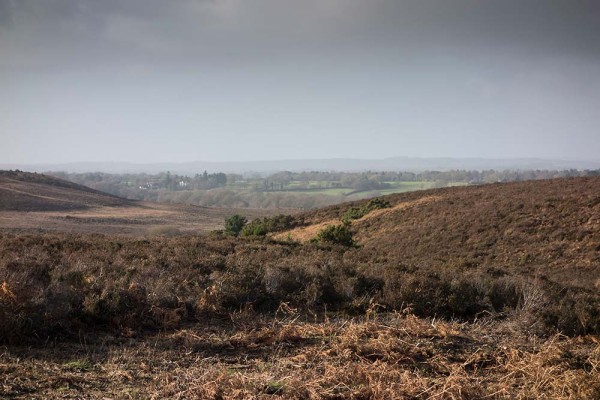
(409,164)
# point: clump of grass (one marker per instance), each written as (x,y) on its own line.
(80,365)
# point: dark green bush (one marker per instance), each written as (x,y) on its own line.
(263,226)
(235,224)
(358,212)
(336,234)
(255,228)
(377,203)
(352,213)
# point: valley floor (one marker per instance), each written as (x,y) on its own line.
(139,219)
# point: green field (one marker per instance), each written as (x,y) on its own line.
(324,188)
(333,189)
(325,191)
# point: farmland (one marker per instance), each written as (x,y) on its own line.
(291,190)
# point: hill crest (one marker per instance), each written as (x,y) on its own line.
(27,191)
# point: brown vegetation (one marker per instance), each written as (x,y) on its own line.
(35,202)
(250,357)
(452,293)
(24,191)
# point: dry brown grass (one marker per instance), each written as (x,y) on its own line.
(304,233)
(384,357)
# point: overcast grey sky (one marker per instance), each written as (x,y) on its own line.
(224,80)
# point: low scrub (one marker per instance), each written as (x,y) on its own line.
(235,224)
(57,286)
(336,234)
(164,230)
(263,226)
(358,212)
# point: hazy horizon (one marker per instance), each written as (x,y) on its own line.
(258,80)
(406,164)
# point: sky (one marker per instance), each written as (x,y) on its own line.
(239,80)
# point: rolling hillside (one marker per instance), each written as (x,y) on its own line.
(24,191)
(31,202)
(549,225)
(459,293)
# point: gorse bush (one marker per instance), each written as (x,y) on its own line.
(263,226)
(358,212)
(353,213)
(336,234)
(377,203)
(235,224)
(255,228)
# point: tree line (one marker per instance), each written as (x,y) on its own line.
(288,189)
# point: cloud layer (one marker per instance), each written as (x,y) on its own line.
(264,79)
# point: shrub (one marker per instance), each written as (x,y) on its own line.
(255,228)
(260,227)
(336,234)
(280,223)
(377,203)
(235,224)
(573,313)
(352,213)
(358,212)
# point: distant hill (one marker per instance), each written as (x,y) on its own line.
(63,206)
(25,191)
